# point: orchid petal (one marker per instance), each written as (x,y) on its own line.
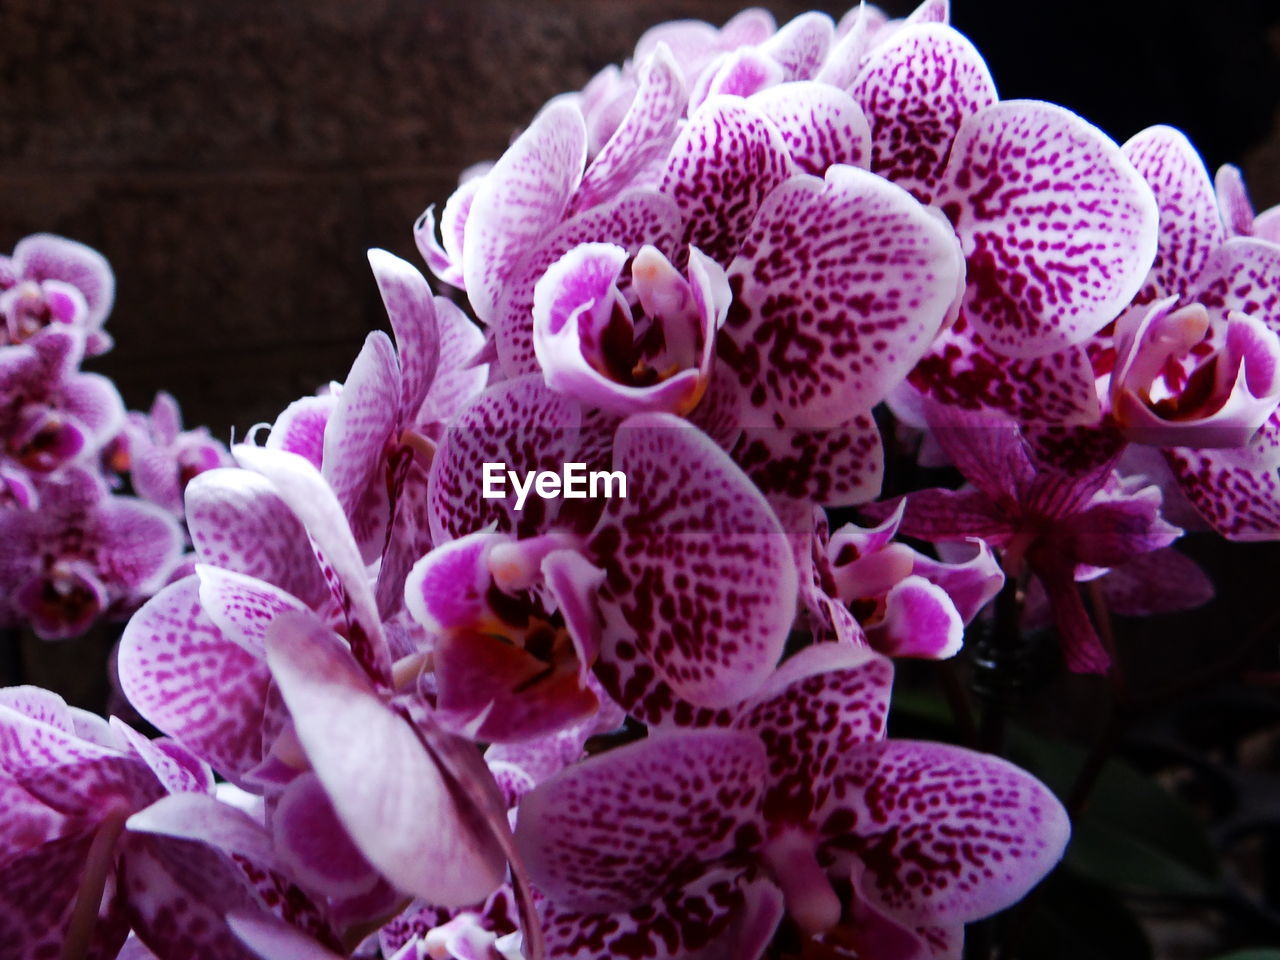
(839,290)
(242,607)
(946,834)
(1058,240)
(837,467)
(637,814)
(719,581)
(916,90)
(801,44)
(300,428)
(411,310)
(1239,501)
(43,256)
(919,621)
(820,125)
(395,802)
(521,200)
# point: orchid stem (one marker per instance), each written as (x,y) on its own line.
(999,666)
(84,915)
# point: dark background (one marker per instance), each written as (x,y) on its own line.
(234,159)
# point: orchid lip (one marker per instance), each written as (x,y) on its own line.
(811,901)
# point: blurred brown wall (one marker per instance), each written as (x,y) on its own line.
(235,158)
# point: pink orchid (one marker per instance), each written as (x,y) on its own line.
(164,458)
(51,280)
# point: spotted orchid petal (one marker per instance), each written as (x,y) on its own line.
(445,259)
(523,198)
(519,423)
(820,125)
(739,73)
(643,137)
(1190,226)
(634,219)
(242,607)
(1084,220)
(185,677)
(44,256)
(411,310)
(819,704)
(305,492)
(179,895)
(837,467)
(395,802)
(355,437)
(726,161)
(801,45)
(1243,275)
(1239,500)
(916,90)
(717,915)
(38,893)
(300,427)
(825,325)
(719,581)
(457,380)
(946,834)
(1233,201)
(638,815)
(239,523)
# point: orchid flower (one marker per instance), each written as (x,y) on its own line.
(1059,525)
(53,281)
(662,848)
(163,458)
(84,554)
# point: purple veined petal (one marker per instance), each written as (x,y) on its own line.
(242,607)
(174,775)
(446,261)
(1243,275)
(29,824)
(1239,501)
(178,895)
(820,703)
(270,939)
(1085,224)
(1111,531)
(837,467)
(238,522)
(74,777)
(825,326)
(1161,581)
(94,401)
(1233,201)
(940,515)
(919,621)
(44,256)
(39,704)
(37,894)
(1190,225)
(801,45)
(916,90)
(411,309)
(522,199)
(139,543)
(645,134)
(300,428)
(820,125)
(182,675)
(947,835)
(636,218)
(639,814)
(519,423)
(726,161)
(457,381)
(971,584)
(395,802)
(1082,648)
(314,846)
(698,567)
(988,449)
(739,73)
(356,437)
(719,914)
(305,492)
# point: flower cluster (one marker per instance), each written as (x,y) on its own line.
(74,549)
(453,724)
